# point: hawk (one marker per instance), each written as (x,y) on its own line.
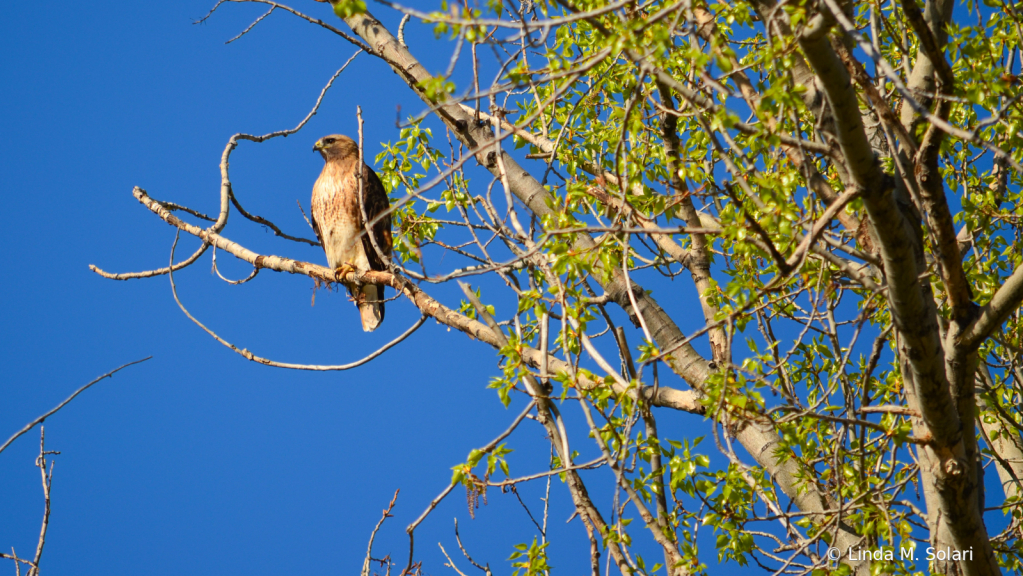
(340,227)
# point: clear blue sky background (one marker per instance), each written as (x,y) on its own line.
(198,459)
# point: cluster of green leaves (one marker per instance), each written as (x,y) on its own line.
(452,17)
(347,8)
(406,164)
(530,560)
(463,473)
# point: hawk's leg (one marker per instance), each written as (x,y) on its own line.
(341,271)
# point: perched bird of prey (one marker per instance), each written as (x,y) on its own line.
(340,226)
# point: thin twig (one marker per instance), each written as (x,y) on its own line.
(47,482)
(40,419)
(451,562)
(253,25)
(458,539)
(401,29)
(373,535)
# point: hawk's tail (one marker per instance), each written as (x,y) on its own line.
(371,306)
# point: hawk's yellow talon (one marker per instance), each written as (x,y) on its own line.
(341,271)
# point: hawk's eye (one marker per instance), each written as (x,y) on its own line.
(328,140)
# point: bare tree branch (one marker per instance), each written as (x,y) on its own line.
(42,418)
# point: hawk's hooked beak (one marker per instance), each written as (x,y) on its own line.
(317,146)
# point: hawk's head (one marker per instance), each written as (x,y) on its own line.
(336,147)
